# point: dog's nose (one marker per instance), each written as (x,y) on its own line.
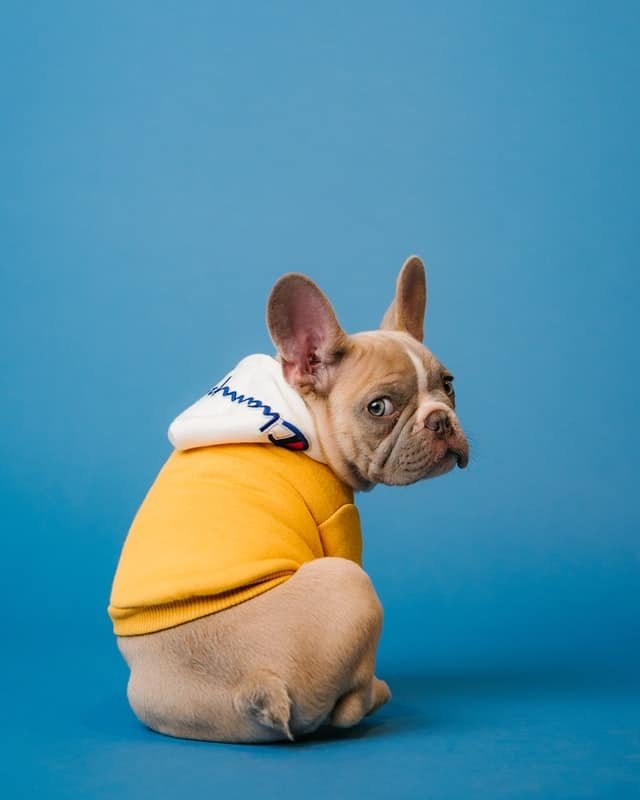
(438,421)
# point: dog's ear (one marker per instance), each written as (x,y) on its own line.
(305,331)
(407,310)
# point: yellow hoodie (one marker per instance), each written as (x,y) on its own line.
(223,523)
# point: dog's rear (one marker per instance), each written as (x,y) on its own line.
(275,667)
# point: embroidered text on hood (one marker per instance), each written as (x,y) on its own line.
(252,403)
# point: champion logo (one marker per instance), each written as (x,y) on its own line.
(280,432)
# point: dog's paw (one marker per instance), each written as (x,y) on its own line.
(381,694)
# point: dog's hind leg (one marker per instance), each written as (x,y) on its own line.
(359,703)
(274,667)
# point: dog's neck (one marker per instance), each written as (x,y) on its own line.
(327,439)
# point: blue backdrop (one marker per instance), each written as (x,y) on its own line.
(162,164)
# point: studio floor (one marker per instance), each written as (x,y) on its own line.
(546,733)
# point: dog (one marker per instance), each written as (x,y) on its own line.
(240,604)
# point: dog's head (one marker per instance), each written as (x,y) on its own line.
(383,404)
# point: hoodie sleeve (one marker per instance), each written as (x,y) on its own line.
(341,535)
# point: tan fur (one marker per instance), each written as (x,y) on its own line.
(407,310)
(302,654)
(353,443)
(275,667)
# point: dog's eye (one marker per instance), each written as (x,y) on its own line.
(380,407)
(448,385)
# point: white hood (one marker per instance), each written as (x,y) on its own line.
(253,403)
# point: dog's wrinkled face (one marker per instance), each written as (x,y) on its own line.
(391,411)
(383,404)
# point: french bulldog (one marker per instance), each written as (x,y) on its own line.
(280,662)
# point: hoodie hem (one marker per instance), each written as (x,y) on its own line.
(137,621)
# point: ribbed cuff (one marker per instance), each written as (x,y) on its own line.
(149,619)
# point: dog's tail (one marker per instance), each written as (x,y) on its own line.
(263,697)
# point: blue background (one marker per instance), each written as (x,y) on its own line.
(161,165)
